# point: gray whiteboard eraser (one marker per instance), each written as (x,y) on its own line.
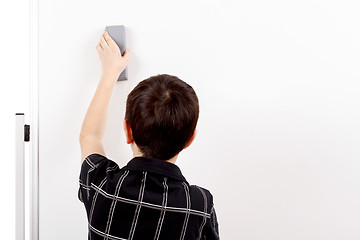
(117,32)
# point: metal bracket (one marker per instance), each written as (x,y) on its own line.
(26,133)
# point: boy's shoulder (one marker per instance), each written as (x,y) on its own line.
(204,191)
(201,198)
(97,164)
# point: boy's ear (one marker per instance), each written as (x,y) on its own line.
(191,139)
(128,132)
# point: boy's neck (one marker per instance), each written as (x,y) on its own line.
(138,153)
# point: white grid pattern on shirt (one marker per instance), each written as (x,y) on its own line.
(112,168)
(188,206)
(162,215)
(139,203)
(102,183)
(103,234)
(138,207)
(150,205)
(212,214)
(113,203)
(205,209)
(92,167)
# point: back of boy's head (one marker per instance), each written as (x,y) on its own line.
(162,112)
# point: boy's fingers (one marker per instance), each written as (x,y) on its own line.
(104,44)
(109,40)
(98,48)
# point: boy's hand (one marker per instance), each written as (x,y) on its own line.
(109,53)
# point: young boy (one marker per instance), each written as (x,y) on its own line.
(149,198)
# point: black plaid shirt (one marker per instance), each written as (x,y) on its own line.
(147,199)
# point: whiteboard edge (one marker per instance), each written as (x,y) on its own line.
(34,118)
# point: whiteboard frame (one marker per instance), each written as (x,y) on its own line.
(34,117)
(19,177)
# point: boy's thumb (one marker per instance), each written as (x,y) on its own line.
(126,54)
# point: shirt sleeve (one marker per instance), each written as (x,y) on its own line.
(211,227)
(93,173)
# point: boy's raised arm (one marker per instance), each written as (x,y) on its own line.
(93,127)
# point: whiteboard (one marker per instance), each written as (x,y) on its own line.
(278,85)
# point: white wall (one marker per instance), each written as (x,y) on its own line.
(278,84)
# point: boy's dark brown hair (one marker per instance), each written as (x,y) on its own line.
(162,112)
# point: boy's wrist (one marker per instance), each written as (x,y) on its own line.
(109,78)
(111,73)
(112,69)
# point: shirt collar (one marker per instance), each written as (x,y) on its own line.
(156,166)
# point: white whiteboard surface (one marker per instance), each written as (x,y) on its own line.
(278,84)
